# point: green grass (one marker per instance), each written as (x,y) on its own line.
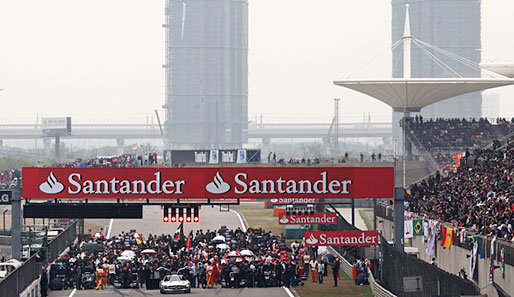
(345,287)
(367,221)
(259,217)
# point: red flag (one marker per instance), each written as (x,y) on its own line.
(189,241)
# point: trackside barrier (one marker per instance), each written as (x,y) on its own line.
(376,288)
(18,280)
(61,242)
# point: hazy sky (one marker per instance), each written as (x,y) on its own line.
(101,61)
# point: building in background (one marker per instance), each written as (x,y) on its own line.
(452,25)
(206,73)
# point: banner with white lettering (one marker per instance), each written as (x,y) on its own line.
(293,200)
(208,182)
(331,238)
(317,218)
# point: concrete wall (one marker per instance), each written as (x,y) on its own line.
(454,259)
(32,290)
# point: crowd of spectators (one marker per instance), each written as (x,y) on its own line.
(457,133)
(211,259)
(123,161)
(9,178)
(478,196)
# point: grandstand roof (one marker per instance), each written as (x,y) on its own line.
(412,94)
(505,69)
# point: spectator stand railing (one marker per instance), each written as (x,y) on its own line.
(431,162)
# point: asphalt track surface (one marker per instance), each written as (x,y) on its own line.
(251,292)
(210,218)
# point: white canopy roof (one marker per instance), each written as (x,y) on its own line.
(505,69)
(410,95)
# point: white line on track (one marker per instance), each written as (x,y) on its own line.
(110,227)
(240,219)
(72,293)
(287,291)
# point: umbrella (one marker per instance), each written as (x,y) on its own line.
(137,235)
(124,259)
(234,254)
(98,235)
(222,246)
(148,252)
(247,253)
(219,238)
(92,247)
(249,259)
(129,253)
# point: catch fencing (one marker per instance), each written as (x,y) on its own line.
(397,264)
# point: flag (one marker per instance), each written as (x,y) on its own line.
(179,234)
(189,241)
(473,260)
(482,250)
(418,227)
(430,244)
(471,240)
(447,239)
(407,229)
(502,259)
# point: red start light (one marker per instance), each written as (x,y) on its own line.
(165,219)
(180,219)
(173,219)
(196,219)
(188,219)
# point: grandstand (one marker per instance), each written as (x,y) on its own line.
(475,200)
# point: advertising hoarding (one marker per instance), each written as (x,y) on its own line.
(317,218)
(210,182)
(57,125)
(333,238)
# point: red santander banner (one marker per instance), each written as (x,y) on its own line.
(208,182)
(293,200)
(317,218)
(326,238)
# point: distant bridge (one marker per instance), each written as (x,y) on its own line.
(264,131)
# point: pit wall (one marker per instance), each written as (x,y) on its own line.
(454,259)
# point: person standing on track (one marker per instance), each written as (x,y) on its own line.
(321,270)
(335,270)
(314,269)
(43,283)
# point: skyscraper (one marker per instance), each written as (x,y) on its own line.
(452,25)
(206,73)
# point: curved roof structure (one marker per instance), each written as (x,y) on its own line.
(412,94)
(505,69)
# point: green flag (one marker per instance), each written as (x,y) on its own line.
(418,227)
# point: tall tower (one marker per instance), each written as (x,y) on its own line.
(452,25)
(206,73)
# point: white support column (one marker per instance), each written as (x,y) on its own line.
(406,45)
